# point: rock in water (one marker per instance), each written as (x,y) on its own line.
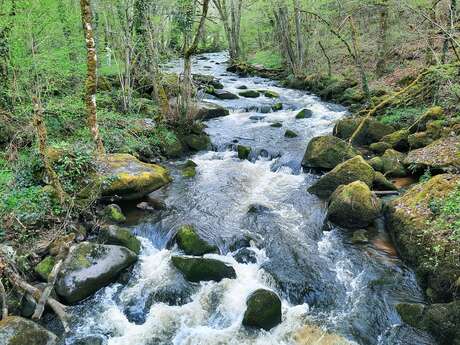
(209,111)
(189,241)
(121,237)
(197,142)
(16,330)
(222,94)
(270,94)
(114,213)
(304,114)
(89,267)
(263,310)
(355,169)
(326,152)
(353,206)
(441,319)
(243,151)
(249,94)
(290,134)
(125,176)
(196,269)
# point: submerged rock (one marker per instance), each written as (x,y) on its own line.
(304,114)
(355,169)
(353,206)
(190,242)
(15,330)
(442,319)
(245,256)
(89,267)
(263,310)
(443,154)
(326,152)
(125,176)
(196,269)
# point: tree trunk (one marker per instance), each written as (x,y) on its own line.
(298,31)
(230,15)
(382,49)
(430,55)
(91,77)
(359,61)
(43,150)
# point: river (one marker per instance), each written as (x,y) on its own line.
(322,277)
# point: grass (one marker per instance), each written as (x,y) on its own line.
(267,58)
(401,117)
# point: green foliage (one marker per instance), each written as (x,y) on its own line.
(447,211)
(267,58)
(401,117)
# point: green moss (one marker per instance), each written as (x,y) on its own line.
(270,94)
(189,241)
(304,114)
(196,269)
(113,213)
(276,125)
(290,134)
(277,106)
(249,94)
(122,237)
(263,310)
(243,151)
(43,269)
(189,172)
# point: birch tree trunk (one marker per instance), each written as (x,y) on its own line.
(382,44)
(230,15)
(91,77)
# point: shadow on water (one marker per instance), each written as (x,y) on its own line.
(322,277)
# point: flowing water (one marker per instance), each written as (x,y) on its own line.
(322,278)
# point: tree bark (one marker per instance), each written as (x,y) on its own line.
(359,61)
(382,47)
(230,15)
(91,77)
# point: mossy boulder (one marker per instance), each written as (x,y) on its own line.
(432,114)
(243,151)
(412,222)
(376,163)
(290,134)
(270,94)
(15,330)
(442,320)
(371,131)
(189,169)
(304,114)
(125,176)
(393,163)
(173,148)
(191,243)
(277,106)
(382,183)
(204,81)
(43,269)
(263,310)
(354,169)
(89,267)
(353,206)
(114,213)
(197,142)
(441,155)
(249,94)
(379,147)
(113,234)
(326,152)
(197,269)
(207,111)
(419,140)
(398,140)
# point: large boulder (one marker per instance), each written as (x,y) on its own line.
(442,155)
(89,267)
(423,238)
(197,142)
(398,140)
(371,131)
(188,240)
(442,319)
(353,206)
(125,176)
(263,310)
(209,111)
(326,152)
(392,163)
(196,269)
(355,169)
(16,330)
(382,183)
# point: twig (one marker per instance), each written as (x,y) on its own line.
(4,314)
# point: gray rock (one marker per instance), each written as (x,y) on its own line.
(16,330)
